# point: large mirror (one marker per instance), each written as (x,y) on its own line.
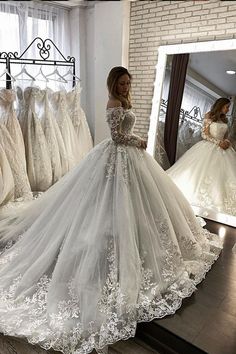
(203,168)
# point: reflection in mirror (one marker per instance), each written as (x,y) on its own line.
(205,159)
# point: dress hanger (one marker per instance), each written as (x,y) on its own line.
(5,71)
(40,73)
(74,77)
(60,77)
(24,71)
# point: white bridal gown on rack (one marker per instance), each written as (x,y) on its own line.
(78,118)
(6,178)
(37,153)
(189,134)
(13,145)
(113,243)
(47,122)
(206,174)
(54,125)
(61,113)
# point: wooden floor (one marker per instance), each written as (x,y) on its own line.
(10,345)
(208,318)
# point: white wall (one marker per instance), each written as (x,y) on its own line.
(104,41)
(82,29)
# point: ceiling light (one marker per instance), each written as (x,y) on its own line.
(230,72)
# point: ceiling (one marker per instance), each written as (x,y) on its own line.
(212,66)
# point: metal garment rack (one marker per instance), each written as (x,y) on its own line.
(44,47)
(193,115)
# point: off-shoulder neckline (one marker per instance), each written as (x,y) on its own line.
(120,107)
(114,107)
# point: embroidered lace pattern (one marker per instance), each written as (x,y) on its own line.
(63,329)
(117,153)
(121,123)
(206,134)
(206,197)
(230,201)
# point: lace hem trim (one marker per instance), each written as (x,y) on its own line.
(49,330)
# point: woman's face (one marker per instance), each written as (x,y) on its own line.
(225,108)
(123,85)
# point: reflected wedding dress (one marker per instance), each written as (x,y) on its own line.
(113,243)
(206,173)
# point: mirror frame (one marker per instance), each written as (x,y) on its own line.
(163,51)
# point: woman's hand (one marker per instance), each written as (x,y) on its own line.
(224,144)
(143,144)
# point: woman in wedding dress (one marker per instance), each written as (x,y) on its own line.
(113,243)
(206,173)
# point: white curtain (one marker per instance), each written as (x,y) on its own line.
(21,22)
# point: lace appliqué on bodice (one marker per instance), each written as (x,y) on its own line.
(121,123)
(214,131)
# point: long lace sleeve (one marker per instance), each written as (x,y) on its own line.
(206,132)
(119,137)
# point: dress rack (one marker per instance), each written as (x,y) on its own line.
(193,115)
(44,47)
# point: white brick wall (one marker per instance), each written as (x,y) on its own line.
(154,23)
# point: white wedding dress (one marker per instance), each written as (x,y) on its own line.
(11,141)
(189,134)
(113,243)
(78,118)
(59,102)
(38,159)
(206,174)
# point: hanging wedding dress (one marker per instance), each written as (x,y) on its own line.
(79,121)
(160,153)
(13,146)
(189,134)
(114,242)
(74,155)
(206,173)
(37,154)
(8,97)
(6,179)
(58,135)
(47,121)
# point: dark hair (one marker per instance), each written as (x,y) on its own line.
(215,113)
(112,81)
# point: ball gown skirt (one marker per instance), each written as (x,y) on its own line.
(113,243)
(206,175)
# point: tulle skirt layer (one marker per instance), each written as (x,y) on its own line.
(206,174)
(114,242)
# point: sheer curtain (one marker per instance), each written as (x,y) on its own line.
(21,22)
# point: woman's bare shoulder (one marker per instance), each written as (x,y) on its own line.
(113,102)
